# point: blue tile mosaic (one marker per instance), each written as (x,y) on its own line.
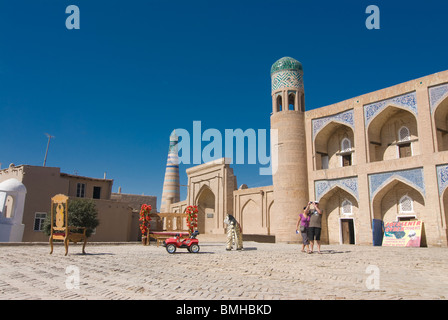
(442,177)
(407,101)
(287,79)
(436,95)
(346,117)
(413,177)
(350,185)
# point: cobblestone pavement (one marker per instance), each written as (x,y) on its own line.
(262,271)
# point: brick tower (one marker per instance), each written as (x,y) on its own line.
(289,171)
(171,186)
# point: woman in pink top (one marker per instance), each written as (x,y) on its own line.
(303,222)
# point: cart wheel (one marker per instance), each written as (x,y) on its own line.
(194,248)
(171,248)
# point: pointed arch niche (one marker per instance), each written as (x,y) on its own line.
(331,135)
(440,118)
(252,218)
(334,146)
(389,201)
(206,210)
(386,123)
(338,207)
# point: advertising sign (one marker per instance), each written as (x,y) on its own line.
(402,234)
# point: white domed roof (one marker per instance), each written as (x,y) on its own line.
(12,185)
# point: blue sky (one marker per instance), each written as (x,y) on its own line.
(112,91)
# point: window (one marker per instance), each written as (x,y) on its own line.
(346,207)
(346,152)
(96,192)
(81,190)
(279,103)
(346,145)
(404,150)
(404,134)
(346,160)
(39,219)
(404,144)
(302,103)
(325,161)
(406,204)
(9,206)
(291,101)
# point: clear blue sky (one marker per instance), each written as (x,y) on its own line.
(112,91)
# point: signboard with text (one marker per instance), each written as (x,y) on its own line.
(402,234)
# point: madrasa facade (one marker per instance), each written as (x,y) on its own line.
(381,156)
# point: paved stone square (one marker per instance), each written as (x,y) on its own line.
(262,271)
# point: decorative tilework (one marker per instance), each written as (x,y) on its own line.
(286,63)
(442,177)
(345,117)
(171,187)
(287,79)
(437,94)
(350,185)
(407,101)
(413,177)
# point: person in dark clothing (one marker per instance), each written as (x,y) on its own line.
(315,225)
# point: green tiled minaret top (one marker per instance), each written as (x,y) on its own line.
(286,63)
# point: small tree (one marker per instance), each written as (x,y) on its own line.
(81,213)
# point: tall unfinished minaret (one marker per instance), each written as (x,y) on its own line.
(171,186)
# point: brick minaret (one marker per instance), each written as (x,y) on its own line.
(171,186)
(289,171)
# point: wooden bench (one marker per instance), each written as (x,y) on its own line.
(167,225)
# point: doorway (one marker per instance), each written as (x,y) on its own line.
(347,160)
(347,231)
(404,150)
(406,218)
(206,211)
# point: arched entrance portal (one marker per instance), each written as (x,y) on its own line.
(339,220)
(206,211)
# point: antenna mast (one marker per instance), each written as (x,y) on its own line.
(48,144)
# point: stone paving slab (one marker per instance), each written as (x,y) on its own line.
(263,271)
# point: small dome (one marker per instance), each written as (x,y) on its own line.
(12,185)
(286,63)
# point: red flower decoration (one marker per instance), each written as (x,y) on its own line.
(145,218)
(192,218)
